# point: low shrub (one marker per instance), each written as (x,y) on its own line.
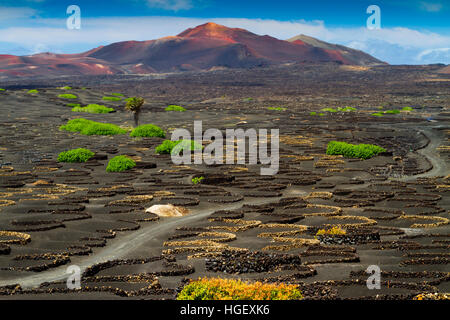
(112,98)
(67,96)
(33,91)
(339,109)
(89,127)
(66,88)
(347,109)
(377,114)
(166,147)
(120,163)
(1,89)
(75,155)
(186,145)
(313,113)
(407,109)
(277,108)
(73,105)
(391,112)
(148,130)
(175,147)
(362,151)
(230,289)
(173,107)
(117,94)
(332,231)
(197,180)
(328,110)
(93,108)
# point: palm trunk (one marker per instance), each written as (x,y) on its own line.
(136,118)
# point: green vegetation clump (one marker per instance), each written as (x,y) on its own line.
(277,108)
(120,163)
(407,109)
(377,114)
(328,110)
(89,127)
(362,151)
(67,96)
(231,289)
(66,88)
(148,130)
(168,146)
(75,155)
(93,108)
(197,180)
(73,105)
(33,91)
(112,98)
(313,113)
(392,112)
(173,107)
(247,99)
(339,109)
(1,89)
(117,94)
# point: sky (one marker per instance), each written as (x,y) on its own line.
(410,31)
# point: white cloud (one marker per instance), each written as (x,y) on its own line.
(431,7)
(394,45)
(13,13)
(436,55)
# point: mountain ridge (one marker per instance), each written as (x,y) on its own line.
(203,47)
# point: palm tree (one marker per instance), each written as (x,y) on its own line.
(134,105)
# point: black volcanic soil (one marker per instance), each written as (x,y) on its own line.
(394,206)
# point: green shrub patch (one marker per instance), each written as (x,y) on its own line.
(93,108)
(362,151)
(75,155)
(173,107)
(175,147)
(89,127)
(277,108)
(339,109)
(120,163)
(112,98)
(392,112)
(148,130)
(33,91)
(67,96)
(166,147)
(197,180)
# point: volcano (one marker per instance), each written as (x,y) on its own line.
(201,48)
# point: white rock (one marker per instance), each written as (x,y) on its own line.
(167,210)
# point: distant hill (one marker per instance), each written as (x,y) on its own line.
(201,48)
(344,54)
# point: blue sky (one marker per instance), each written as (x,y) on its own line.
(412,31)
